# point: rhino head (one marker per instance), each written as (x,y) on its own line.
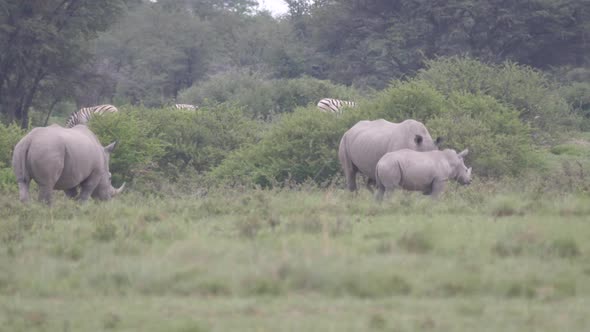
(105,190)
(463,174)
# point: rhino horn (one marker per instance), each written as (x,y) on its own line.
(118,190)
(463,153)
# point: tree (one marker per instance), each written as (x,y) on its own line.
(45,39)
(374,41)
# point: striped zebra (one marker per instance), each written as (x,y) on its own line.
(84,115)
(185,107)
(331,105)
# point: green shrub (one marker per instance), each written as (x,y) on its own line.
(408,100)
(7,180)
(303,145)
(9,137)
(569,150)
(139,143)
(577,95)
(166,144)
(262,97)
(199,140)
(522,88)
(499,143)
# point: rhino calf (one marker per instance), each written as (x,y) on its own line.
(427,172)
(63,159)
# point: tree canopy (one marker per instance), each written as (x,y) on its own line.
(147,52)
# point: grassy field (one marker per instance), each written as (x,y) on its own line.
(483,258)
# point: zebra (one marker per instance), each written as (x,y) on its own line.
(331,105)
(185,107)
(84,115)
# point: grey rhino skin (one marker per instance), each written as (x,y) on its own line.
(366,142)
(63,159)
(427,172)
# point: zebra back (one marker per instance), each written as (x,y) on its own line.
(332,105)
(83,115)
(185,107)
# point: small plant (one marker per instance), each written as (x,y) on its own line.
(377,322)
(262,286)
(250,226)
(111,321)
(505,207)
(564,248)
(415,242)
(522,289)
(104,231)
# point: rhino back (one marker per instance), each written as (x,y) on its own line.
(368,141)
(64,157)
(420,169)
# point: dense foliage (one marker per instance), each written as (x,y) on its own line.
(264,97)
(168,145)
(147,53)
(498,112)
(506,80)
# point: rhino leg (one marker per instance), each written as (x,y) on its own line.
(87,188)
(351,178)
(380,193)
(45,193)
(71,193)
(85,193)
(438,186)
(23,191)
(369,184)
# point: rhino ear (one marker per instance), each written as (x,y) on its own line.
(439,141)
(109,148)
(418,139)
(463,153)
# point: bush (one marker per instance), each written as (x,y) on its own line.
(165,143)
(577,95)
(9,137)
(262,97)
(139,143)
(403,100)
(302,146)
(522,88)
(199,140)
(499,144)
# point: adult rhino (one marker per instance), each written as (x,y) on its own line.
(63,159)
(366,142)
(427,172)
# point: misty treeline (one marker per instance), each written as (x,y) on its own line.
(60,54)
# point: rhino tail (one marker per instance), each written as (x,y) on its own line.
(347,166)
(19,160)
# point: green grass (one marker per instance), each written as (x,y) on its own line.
(479,259)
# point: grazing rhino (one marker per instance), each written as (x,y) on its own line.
(63,159)
(427,172)
(366,142)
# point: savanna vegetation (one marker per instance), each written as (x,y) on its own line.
(235,215)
